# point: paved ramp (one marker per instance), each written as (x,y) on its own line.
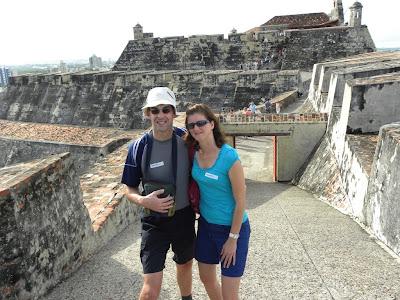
(300,248)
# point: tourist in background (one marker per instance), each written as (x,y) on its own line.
(164,222)
(277,107)
(268,106)
(252,107)
(231,115)
(223,228)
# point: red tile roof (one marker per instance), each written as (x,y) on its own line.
(300,21)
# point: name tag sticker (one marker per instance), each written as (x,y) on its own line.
(157,165)
(212,176)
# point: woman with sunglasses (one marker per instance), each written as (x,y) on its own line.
(223,229)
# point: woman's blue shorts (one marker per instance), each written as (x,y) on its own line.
(210,240)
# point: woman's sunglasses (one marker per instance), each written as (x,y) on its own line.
(198,124)
(156,111)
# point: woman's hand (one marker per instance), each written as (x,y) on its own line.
(228,253)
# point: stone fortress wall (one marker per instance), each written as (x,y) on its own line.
(356,165)
(114,99)
(44,230)
(50,221)
(289,42)
(303,48)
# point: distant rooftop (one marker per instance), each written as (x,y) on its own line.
(301,20)
(312,20)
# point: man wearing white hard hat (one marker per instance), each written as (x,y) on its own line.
(156,175)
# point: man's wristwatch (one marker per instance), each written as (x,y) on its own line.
(234,236)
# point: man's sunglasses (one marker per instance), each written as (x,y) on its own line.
(198,124)
(156,111)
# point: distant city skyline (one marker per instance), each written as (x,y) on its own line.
(95,62)
(32,35)
(4,74)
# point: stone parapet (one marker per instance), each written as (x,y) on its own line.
(362,100)
(382,206)
(326,78)
(253,78)
(103,193)
(344,183)
(45,229)
(52,222)
(58,133)
(340,76)
(358,61)
(320,175)
(274,118)
(372,102)
(215,78)
(22,142)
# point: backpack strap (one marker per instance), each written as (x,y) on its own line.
(175,156)
(148,155)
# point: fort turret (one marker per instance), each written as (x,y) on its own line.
(138,32)
(337,12)
(355,14)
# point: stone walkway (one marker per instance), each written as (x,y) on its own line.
(300,248)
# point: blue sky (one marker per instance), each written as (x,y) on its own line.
(51,30)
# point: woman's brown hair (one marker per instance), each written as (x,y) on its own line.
(219,136)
